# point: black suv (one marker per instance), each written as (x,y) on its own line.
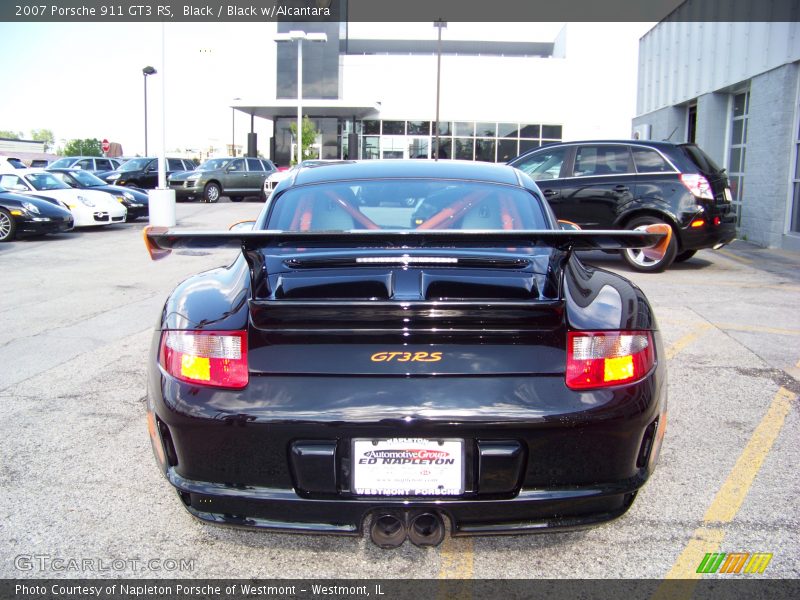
(630,184)
(143,172)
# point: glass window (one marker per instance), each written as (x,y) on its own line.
(464,128)
(405,204)
(529,131)
(419,128)
(445,128)
(740,105)
(371,127)
(545,164)
(486,129)
(649,161)
(464,148)
(418,147)
(370,147)
(9,182)
(174,164)
(506,150)
(103,164)
(484,150)
(551,131)
(525,145)
(236,165)
(737,150)
(445,147)
(85,163)
(507,130)
(394,128)
(601,160)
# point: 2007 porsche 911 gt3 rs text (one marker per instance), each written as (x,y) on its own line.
(403,343)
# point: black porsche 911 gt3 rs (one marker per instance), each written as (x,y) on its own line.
(404,343)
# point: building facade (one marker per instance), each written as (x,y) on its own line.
(732,88)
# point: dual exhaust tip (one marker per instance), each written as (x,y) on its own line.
(389,529)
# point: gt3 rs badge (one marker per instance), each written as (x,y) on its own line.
(406,357)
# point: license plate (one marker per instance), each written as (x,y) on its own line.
(408,467)
(728,196)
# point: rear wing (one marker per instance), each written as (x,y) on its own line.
(160,241)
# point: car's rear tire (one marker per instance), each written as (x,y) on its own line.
(685,255)
(8,227)
(211,192)
(635,257)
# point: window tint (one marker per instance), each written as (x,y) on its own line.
(236,165)
(103,164)
(649,161)
(85,163)
(701,159)
(602,160)
(175,164)
(545,164)
(253,164)
(9,181)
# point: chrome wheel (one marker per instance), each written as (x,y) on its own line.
(636,258)
(212,192)
(7,227)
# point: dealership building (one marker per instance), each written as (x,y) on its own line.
(732,88)
(371,90)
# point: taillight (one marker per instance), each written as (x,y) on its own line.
(212,358)
(698,185)
(598,359)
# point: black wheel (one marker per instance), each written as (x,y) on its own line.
(211,193)
(8,227)
(636,258)
(685,255)
(236,198)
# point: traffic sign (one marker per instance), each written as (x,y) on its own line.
(105,145)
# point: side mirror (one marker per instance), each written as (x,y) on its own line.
(242,226)
(568,226)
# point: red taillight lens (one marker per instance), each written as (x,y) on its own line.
(698,185)
(213,358)
(598,359)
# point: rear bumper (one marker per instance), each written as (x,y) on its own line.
(709,235)
(232,455)
(529,511)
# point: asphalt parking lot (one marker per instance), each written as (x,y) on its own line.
(79,480)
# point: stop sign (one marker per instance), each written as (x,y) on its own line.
(105,145)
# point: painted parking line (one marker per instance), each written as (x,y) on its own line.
(457,558)
(733,256)
(726,503)
(686,340)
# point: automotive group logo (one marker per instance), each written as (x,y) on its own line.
(734,562)
(407,457)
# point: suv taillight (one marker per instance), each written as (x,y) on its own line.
(698,185)
(212,358)
(597,359)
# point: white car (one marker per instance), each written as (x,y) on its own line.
(276,177)
(88,207)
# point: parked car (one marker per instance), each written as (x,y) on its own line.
(232,177)
(135,201)
(143,172)
(88,207)
(22,215)
(280,174)
(631,184)
(350,372)
(94,164)
(10,164)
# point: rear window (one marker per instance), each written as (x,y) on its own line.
(700,159)
(649,161)
(405,204)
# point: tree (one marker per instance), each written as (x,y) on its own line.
(310,134)
(87,147)
(10,135)
(43,135)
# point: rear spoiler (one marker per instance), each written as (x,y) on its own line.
(160,241)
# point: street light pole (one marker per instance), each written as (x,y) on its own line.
(299,36)
(145,72)
(233,129)
(438,24)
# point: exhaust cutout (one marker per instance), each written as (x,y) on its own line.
(388,530)
(426,529)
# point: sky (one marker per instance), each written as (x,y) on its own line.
(84,80)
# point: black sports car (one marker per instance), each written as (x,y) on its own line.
(389,365)
(22,215)
(136,201)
